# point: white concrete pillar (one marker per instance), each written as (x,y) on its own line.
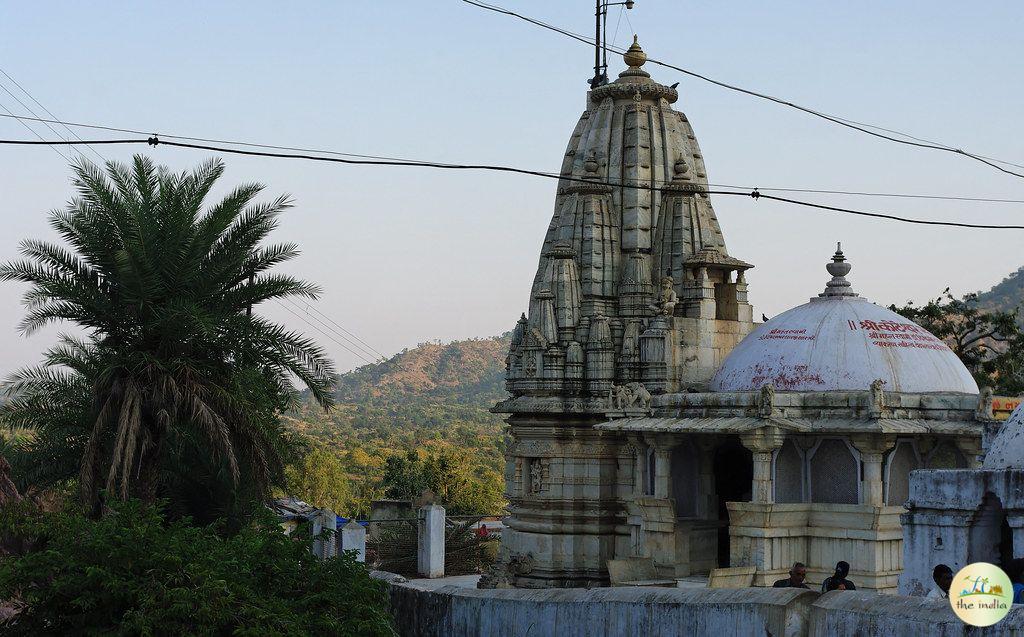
(762,489)
(873,491)
(430,547)
(353,538)
(762,444)
(325,547)
(872,450)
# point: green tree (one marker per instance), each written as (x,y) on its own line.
(320,479)
(132,573)
(178,384)
(459,485)
(989,342)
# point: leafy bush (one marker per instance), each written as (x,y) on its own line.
(133,573)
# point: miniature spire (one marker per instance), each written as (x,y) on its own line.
(838,268)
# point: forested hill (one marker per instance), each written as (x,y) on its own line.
(470,372)
(432,400)
(1006,295)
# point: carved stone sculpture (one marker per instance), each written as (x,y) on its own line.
(629,396)
(985,404)
(667,297)
(767,403)
(877,405)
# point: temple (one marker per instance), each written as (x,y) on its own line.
(651,418)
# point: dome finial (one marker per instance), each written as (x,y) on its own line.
(634,55)
(839,267)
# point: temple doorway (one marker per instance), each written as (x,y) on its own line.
(989,538)
(734,474)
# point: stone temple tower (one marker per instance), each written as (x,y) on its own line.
(635,295)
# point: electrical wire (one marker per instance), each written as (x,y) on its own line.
(33,131)
(364,349)
(154,141)
(328,335)
(48,112)
(366,346)
(848,123)
(553,174)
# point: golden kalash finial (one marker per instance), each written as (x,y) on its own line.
(635,56)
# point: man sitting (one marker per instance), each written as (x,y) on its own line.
(797,574)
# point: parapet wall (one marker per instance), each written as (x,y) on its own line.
(610,612)
(849,613)
(450,611)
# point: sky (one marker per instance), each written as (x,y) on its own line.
(408,255)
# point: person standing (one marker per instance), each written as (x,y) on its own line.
(796,578)
(838,581)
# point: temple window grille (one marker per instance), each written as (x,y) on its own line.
(902,460)
(834,472)
(789,473)
(946,455)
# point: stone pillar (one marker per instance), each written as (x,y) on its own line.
(1015,518)
(353,538)
(662,468)
(325,547)
(430,545)
(872,450)
(762,443)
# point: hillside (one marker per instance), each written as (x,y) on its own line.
(1006,295)
(432,400)
(470,372)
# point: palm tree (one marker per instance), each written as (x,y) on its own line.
(177,377)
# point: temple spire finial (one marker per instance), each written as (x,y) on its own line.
(635,56)
(839,267)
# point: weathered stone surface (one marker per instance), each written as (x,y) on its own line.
(1007,450)
(611,612)
(852,613)
(955,518)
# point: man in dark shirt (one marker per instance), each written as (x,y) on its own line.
(797,574)
(838,581)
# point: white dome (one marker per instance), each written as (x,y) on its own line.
(840,341)
(1007,450)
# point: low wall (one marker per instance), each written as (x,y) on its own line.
(453,611)
(856,614)
(610,612)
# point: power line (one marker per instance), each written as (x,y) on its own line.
(154,141)
(48,112)
(365,349)
(32,130)
(369,348)
(307,322)
(550,173)
(851,124)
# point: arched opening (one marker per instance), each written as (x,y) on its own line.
(902,460)
(789,473)
(834,472)
(989,538)
(946,455)
(733,468)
